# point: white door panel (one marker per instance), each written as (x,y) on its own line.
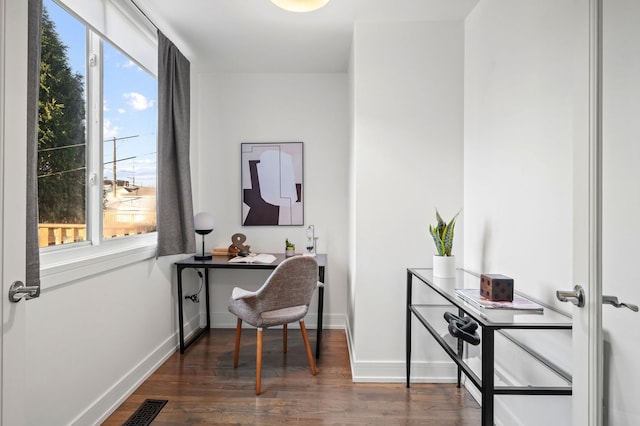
(621,207)
(13,108)
(587,343)
(606,230)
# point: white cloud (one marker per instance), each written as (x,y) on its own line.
(109,131)
(105,107)
(121,110)
(131,64)
(138,102)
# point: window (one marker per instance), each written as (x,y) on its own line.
(97,136)
(129,134)
(61,129)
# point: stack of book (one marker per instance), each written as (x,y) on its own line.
(472,296)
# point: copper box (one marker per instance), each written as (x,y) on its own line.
(496,287)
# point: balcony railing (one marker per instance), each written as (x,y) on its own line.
(52,234)
(116,223)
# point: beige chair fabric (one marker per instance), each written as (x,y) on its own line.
(283,298)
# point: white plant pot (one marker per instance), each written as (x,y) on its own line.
(444,266)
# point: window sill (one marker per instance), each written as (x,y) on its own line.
(61,267)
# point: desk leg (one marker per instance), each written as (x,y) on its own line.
(319,329)
(197,334)
(206,294)
(180,314)
(487,376)
(320,311)
(408,327)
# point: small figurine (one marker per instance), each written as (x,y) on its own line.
(237,246)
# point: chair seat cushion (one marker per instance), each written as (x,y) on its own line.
(282,316)
(270,318)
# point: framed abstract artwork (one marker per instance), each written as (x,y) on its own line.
(272,184)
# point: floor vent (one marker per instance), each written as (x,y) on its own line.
(145,414)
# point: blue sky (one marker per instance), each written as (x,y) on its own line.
(129,107)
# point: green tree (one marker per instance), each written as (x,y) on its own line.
(61,133)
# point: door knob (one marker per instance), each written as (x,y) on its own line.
(18,291)
(575,296)
(613,300)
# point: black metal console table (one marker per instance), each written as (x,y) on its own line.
(490,321)
(222,262)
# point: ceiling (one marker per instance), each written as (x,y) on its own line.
(256,36)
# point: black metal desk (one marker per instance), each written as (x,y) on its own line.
(222,262)
(489,321)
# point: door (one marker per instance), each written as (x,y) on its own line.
(607,204)
(620,207)
(13,108)
(587,323)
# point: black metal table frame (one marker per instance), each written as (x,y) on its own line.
(484,384)
(221,262)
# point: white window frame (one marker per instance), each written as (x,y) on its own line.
(62,264)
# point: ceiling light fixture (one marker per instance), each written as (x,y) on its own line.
(300,5)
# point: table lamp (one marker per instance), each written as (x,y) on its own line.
(203,224)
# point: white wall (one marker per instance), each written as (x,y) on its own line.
(519,131)
(91,342)
(308,108)
(407,100)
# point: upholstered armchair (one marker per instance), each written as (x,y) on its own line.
(283,298)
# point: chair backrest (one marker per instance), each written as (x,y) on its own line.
(292,283)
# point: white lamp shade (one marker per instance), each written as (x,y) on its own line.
(203,222)
(300,5)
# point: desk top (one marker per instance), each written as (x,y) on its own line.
(222,262)
(549,318)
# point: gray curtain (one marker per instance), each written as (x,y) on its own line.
(33,76)
(176,233)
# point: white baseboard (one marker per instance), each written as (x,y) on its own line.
(349,334)
(395,371)
(106,404)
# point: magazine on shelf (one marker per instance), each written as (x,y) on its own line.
(472,296)
(254,258)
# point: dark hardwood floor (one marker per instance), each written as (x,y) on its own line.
(203,388)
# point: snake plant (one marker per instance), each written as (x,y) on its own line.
(442,234)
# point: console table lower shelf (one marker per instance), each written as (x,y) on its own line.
(489,323)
